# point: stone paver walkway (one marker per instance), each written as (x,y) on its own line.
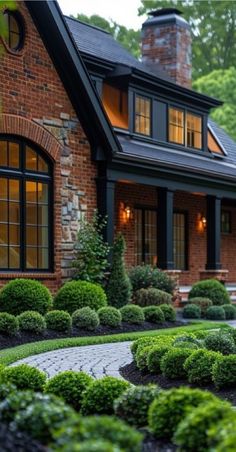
(96,360)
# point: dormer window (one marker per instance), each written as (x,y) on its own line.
(142,115)
(185,128)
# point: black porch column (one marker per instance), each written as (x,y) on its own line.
(106,206)
(213,233)
(165,228)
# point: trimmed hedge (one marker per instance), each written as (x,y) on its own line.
(202,302)
(199,366)
(212,289)
(144,276)
(100,395)
(24,377)
(21,295)
(220,342)
(69,385)
(110,316)
(191,311)
(172,362)
(85,318)
(153,314)
(9,324)
(230,311)
(215,313)
(151,297)
(31,322)
(79,294)
(132,314)
(154,357)
(58,321)
(224,372)
(169,312)
(141,357)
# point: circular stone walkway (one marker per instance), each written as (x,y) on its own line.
(97,360)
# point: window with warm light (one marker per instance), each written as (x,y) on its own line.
(193,131)
(25,194)
(176,126)
(185,128)
(142,115)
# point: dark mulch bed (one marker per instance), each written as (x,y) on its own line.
(23,338)
(14,441)
(151,444)
(132,374)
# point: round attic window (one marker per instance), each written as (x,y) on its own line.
(14,36)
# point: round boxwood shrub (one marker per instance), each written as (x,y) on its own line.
(58,321)
(79,294)
(141,357)
(110,316)
(153,314)
(154,357)
(171,406)
(8,324)
(24,377)
(220,342)
(100,395)
(187,341)
(93,428)
(15,402)
(202,302)
(191,311)
(212,289)
(144,276)
(142,341)
(85,318)
(222,436)
(151,297)
(224,372)
(169,312)
(199,366)
(215,313)
(97,445)
(172,363)
(192,432)
(230,311)
(21,295)
(6,389)
(132,314)
(32,322)
(69,385)
(132,406)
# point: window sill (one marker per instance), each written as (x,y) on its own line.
(35,275)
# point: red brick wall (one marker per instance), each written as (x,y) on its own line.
(195,206)
(31,88)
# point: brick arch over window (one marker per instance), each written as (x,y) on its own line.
(16,125)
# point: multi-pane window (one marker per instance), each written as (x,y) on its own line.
(25,192)
(15,32)
(176,126)
(180,242)
(146,236)
(142,115)
(185,128)
(225,222)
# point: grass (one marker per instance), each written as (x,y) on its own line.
(10,355)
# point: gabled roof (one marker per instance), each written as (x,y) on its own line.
(60,45)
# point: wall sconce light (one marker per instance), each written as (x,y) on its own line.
(203,221)
(128,212)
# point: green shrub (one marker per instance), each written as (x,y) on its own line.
(119,287)
(79,294)
(171,406)
(188,341)
(191,311)
(212,289)
(220,342)
(191,433)
(224,372)
(32,322)
(93,428)
(222,435)
(93,445)
(85,318)
(172,363)
(142,341)
(144,276)
(169,312)
(201,334)
(69,385)
(8,324)
(110,316)
(132,314)
(132,406)
(151,297)
(230,311)
(15,402)
(6,389)
(199,366)
(141,357)
(42,416)
(100,395)
(156,340)
(203,304)
(215,313)
(24,377)
(58,321)
(232,331)
(153,314)
(154,357)
(21,295)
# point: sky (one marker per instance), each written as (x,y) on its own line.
(109,9)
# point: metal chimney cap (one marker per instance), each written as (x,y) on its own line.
(164,12)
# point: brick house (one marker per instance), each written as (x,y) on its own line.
(85,125)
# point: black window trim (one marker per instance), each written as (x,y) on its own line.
(144,96)
(185,110)
(223,211)
(21,25)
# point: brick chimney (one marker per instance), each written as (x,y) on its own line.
(166,44)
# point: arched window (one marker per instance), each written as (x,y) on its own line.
(25,207)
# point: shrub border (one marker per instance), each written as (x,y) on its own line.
(10,355)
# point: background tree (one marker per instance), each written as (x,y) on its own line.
(119,286)
(213,24)
(128,37)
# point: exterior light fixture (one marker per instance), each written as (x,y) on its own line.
(203,221)
(128,212)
